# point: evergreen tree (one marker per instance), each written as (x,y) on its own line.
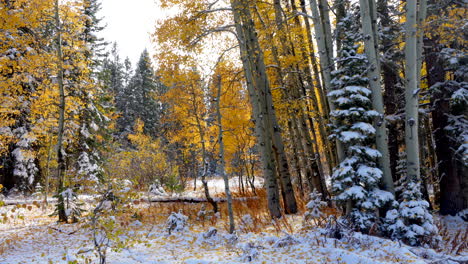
(356,179)
(411,221)
(112,72)
(93,118)
(92,26)
(137,99)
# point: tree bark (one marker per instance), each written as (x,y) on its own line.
(411,93)
(326,59)
(60,157)
(368,28)
(221,156)
(390,82)
(259,92)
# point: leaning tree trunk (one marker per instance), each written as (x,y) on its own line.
(368,28)
(221,156)
(258,88)
(60,157)
(411,93)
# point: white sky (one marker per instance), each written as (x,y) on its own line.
(130,23)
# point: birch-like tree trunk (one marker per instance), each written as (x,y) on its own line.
(258,88)
(60,152)
(411,92)
(369,28)
(221,157)
(326,59)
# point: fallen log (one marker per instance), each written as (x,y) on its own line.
(196,199)
(153,200)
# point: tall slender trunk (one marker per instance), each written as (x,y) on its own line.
(295,158)
(221,156)
(60,157)
(317,92)
(278,145)
(320,90)
(204,154)
(411,93)
(369,30)
(259,91)
(47,170)
(326,59)
(310,105)
(390,82)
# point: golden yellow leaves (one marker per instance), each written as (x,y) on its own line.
(446,26)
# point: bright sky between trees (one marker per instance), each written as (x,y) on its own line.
(130,23)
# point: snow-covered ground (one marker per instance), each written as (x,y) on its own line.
(31,236)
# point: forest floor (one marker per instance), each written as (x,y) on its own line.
(30,235)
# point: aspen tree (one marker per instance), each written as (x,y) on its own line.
(259,91)
(60,151)
(411,92)
(221,156)
(369,28)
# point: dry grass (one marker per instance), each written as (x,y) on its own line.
(254,205)
(453,243)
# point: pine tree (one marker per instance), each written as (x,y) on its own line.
(112,73)
(138,98)
(356,179)
(92,26)
(93,117)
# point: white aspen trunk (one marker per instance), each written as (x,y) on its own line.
(325,62)
(411,92)
(221,157)
(60,158)
(325,15)
(258,87)
(47,171)
(377,98)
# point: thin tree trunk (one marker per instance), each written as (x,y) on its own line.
(46,187)
(278,145)
(221,156)
(423,153)
(325,60)
(296,85)
(411,93)
(368,28)
(295,159)
(319,89)
(204,157)
(320,105)
(60,158)
(301,91)
(390,81)
(259,91)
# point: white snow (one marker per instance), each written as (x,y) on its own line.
(364,127)
(35,238)
(347,136)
